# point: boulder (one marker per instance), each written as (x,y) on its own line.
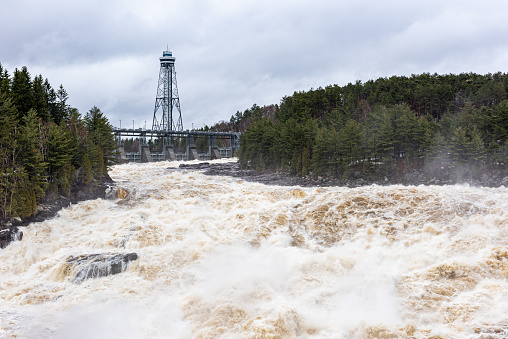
(113,193)
(8,234)
(199,166)
(90,266)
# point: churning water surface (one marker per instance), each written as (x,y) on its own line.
(218,257)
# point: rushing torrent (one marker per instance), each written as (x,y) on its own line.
(196,256)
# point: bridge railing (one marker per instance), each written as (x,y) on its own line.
(184,140)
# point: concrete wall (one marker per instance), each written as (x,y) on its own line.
(145,154)
(121,157)
(170,154)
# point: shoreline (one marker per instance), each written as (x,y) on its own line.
(50,206)
(413,178)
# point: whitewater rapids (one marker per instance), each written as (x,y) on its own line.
(218,257)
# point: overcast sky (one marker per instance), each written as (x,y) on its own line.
(232,54)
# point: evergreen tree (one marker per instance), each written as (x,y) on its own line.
(401,122)
(40,99)
(100,168)
(499,123)
(437,158)
(59,153)
(324,151)
(5,81)
(477,153)
(349,146)
(9,152)
(21,90)
(24,200)
(52,107)
(79,135)
(37,156)
(101,133)
(33,159)
(459,146)
(60,110)
(86,173)
(306,165)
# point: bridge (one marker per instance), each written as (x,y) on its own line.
(160,145)
(167,140)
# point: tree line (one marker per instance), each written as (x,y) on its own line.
(451,127)
(46,146)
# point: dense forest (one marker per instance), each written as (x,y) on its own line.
(450,127)
(46,146)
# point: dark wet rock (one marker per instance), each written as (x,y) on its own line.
(233,169)
(113,193)
(90,266)
(49,206)
(200,166)
(413,176)
(410,177)
(8,234)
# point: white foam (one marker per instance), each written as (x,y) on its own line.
(220,257)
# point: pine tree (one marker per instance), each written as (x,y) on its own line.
(459,146)
(437,159)
(261,167)
(349,142)
(100,168)
(59,151)
(21,91)
(101,133)
(33,159)
(5,81)
(52,106)
(305,161)
(86,173)
(500,123)
(477,153)
(9,153)
(40,100)
(60,109)
(79,136)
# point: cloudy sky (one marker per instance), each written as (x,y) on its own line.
(232,54)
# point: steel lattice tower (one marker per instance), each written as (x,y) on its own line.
(167,96)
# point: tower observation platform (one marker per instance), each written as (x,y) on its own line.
(167,140)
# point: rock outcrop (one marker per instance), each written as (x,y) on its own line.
(410,177)
(113,193)
(50,204)
(90,266)
(9,234)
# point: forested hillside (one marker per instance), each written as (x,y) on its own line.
(46,146)
(450,127)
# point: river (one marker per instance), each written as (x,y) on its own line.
(219,257)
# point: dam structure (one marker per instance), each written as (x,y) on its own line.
(167,140)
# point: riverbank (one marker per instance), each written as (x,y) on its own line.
(49,206)
(413,177)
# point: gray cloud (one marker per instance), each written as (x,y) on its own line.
(232,54)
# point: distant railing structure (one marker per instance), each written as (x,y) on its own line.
(157,145)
